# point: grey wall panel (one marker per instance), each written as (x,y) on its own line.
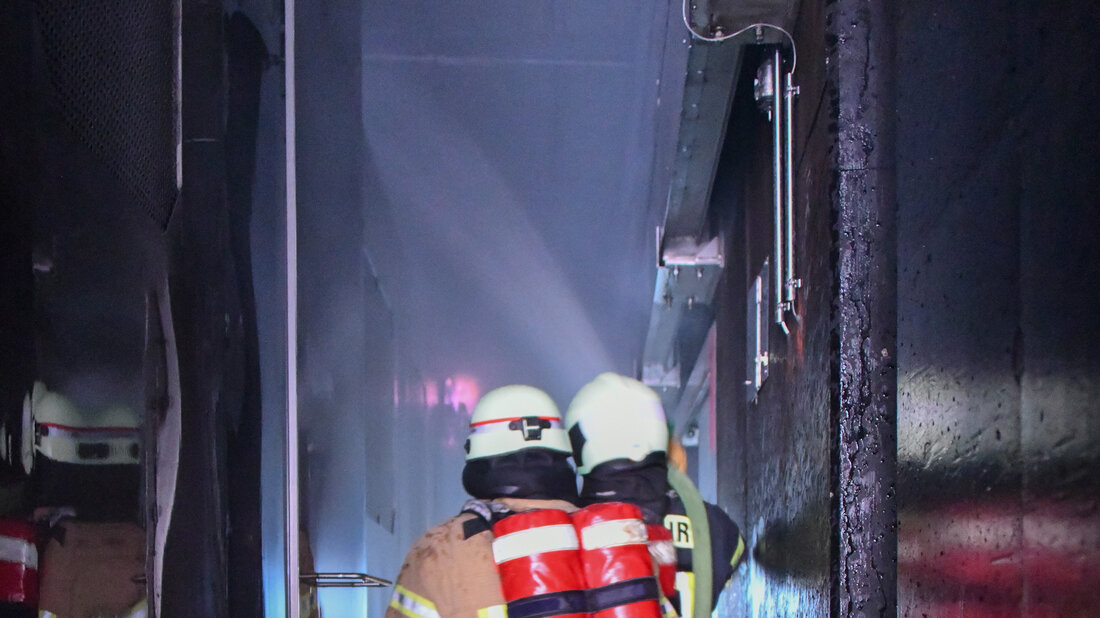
(998,372)
(346,336)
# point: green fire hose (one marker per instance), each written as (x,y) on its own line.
(701,563)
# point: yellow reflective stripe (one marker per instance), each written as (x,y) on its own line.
(140,610)
(522,543)
(737,552)
(493,611)
(668,610)
(685,585)
(613,533)
(411,604)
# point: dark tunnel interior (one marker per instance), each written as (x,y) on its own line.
(477,189)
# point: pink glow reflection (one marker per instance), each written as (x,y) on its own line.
(994,559)
(461,393)
(431,393)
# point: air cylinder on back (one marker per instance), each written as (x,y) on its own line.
(617,565)
(537,557)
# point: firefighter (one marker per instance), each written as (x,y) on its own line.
(620,440)
(517,461)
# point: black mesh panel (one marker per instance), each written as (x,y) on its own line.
(113,74)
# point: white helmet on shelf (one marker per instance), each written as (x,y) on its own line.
(69,434)
(513,418)
(615,417)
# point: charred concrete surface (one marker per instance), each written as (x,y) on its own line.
(998,351)
(986,199)
(860,56)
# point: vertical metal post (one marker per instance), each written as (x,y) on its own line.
(291,454)
(790,281)
(777,164)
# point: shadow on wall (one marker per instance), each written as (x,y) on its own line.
(795,548)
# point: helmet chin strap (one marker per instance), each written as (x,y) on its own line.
(643,484)
(536,473)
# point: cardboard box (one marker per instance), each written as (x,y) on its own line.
(92,569)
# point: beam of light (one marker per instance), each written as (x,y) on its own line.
(442,185)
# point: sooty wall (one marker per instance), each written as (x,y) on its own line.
(999,353)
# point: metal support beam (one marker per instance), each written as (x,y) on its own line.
(712,71)
(684,177)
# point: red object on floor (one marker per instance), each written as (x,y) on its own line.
(18,563)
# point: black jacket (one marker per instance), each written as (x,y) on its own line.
(727,546)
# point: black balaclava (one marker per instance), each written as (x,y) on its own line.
(643,484)
(536,473)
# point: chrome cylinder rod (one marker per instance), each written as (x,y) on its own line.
(791,283)
(290,518)
(777,164)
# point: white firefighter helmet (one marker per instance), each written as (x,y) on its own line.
(615,417)
(69,434)
(513,418)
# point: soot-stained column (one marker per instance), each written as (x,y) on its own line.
(860,39)
(194,581)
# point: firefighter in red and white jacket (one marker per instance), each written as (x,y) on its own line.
(517,460)
(521,548)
